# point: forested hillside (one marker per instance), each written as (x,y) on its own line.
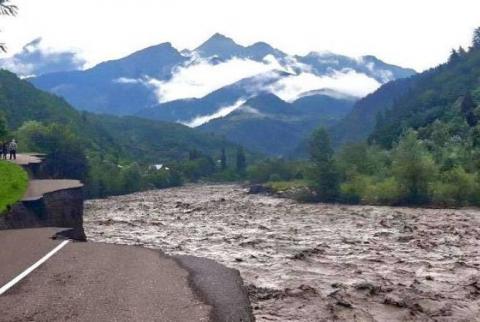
(444,97)
(110,153)
(274,127)
(411,102)
(423,147)
(357,125)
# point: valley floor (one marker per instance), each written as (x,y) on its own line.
(311,262)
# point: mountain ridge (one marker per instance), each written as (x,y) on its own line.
(127,85)
(195,87)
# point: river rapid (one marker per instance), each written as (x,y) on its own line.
(306,262)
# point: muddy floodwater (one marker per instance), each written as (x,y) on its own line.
(311,262)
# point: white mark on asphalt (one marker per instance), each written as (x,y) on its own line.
(17,279)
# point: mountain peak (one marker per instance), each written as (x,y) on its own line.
(155,52)
(261,45)
(217,40)
(370,58)
(220,37)
(219,45)
(322,54)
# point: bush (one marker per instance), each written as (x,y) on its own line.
(274,170)
(198,168)
(385,192)
(163,178)
(227,175)
(457,188)
(368,190)
(414,169)
(278,186)
(354,191)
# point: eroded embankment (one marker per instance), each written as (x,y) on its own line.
(311,262)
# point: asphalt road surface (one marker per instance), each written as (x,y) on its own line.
(38,188)
(93,282)
(19,249)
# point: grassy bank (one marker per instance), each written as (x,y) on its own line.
(279,186)
(13,184)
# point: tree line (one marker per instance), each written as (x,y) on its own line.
(107,174)
(424,150)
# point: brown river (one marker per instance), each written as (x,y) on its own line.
(305,262)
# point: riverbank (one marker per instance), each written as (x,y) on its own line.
(311,262)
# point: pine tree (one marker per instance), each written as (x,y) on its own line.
(241,161)
(323,174)
(476,38)
(193,155)
(3,128)
(454,56)
(223,160)
(467,107)
(379,121)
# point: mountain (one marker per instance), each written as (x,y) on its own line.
(225,48)
(36,59)
(443,99)
(272,126)
(369,65)
(417,102)
(159,75)
(357,125)
(118,87)
(128,138)
(216,82)
(186,111)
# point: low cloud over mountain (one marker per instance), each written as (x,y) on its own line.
(216,75)
(200,76)
(255,95)
(36,59)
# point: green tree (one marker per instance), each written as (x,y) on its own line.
(241,161)
(413,168)
(354,159)
(468,107)
(65,154)
(194,155)
(323,174)
(223,160)
(3,128)
(476,38)
(454,56)
(132,178)
(455,187)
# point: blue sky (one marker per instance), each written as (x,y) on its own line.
(410,33)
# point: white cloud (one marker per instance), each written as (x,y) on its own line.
(201,77)
(36,58)
(298,27)
(222,112)
(346,81)
(251,110)
(126,80)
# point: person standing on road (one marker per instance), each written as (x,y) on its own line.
(4,151)
(13,150)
